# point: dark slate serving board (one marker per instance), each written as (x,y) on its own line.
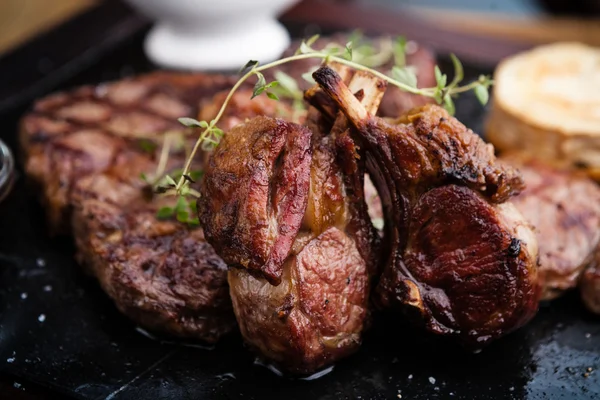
(60,336)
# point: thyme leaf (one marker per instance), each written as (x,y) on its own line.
(481,92)
(399,50)
(459,72)
(449,105)
(250,65)
(148,146)
(405,75)
(165,212)
(348,51)
(192,123)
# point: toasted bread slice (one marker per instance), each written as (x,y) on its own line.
(547,101)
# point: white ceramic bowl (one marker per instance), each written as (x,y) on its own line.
(213,34)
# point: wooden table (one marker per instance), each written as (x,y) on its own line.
(21,20)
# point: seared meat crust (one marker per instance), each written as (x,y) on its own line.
(316,311)
(463,265)
(316,314)
(255,192)
(161,274)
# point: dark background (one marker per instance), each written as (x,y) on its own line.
(85,349)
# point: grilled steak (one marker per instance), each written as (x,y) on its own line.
(162,274)
(86,150)
(68,136)
(564,208)
(462,260)
(280,207)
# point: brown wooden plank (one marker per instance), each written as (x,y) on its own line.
(348,16)
(21,20)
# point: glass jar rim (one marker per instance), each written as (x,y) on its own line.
(7,166)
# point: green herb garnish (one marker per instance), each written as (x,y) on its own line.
(356,54)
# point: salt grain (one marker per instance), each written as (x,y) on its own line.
(23,296)
(432,380)
(42,318)
(40,262)
(410,376)
(17,385)
(588,335)
(10,360)
(47,288)
(510,389)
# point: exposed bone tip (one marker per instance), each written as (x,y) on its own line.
(326,77)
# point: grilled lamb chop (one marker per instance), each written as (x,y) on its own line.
(564,208)
(319,260)
(463,261)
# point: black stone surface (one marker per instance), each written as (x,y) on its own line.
(60,336)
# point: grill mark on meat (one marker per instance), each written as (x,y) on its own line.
(84,112)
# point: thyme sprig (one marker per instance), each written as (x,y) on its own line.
(162,183)
(354,55)
(184,211)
